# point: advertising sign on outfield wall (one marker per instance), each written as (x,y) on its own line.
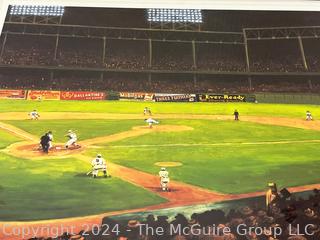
(43,95)
(163,97)
(82,95)
(137,96)
(12,94)
(221,98)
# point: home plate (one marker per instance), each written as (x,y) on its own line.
(58,148)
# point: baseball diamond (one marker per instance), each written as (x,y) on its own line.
(114,120)
(233,159)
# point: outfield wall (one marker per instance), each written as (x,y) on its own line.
(293,98)
(288,98)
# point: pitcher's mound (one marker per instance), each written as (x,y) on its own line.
(33,150)
(168,164)
(164,128)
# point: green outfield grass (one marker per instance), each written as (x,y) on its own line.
(225,156)
(85,129)
(234,167)
(58,188)
(214,131)
(228,169)
(48,189)
(285,110)
(6,139)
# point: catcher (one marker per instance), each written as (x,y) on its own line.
(50,135)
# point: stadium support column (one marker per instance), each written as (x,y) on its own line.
(3,44)
(101,76)
(194,57)
(305,64)
(56,48)
(195,82)
(302,54)
(149,78)
(247,58)
(104,51)
(150,53)
(51,75)
(194,54)
(150,62)
(104,43)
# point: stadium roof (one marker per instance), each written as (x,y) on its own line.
(294,5)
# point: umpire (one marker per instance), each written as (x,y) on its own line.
(45,143)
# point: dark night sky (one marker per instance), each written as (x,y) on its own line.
(215,20)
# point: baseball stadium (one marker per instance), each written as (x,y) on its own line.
(116,118)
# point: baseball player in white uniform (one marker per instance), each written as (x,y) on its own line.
(99,164)
(308,116)
(72,139)
(147,111)
(151,121)
(34,115)
(164,179)
(50,135)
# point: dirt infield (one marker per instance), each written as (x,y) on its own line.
(278,121)
(34,151)
(17,132)
(31,150)
(181,194)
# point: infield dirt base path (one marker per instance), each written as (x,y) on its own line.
(181,194)
(278,121)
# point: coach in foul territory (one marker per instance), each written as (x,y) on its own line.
(236,115)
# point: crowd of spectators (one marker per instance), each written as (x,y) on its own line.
(82,59)
(291,219)
(284,87)
(27,56)
(165,84)
(218,58)
(276,56)
(173,63)
(123,61)
(221,64)
(221,58)
(289,64)
(93,59)
(313,63)
(133,56)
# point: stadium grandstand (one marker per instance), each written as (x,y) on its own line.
(162,50)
